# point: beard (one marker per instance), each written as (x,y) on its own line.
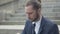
(34,19)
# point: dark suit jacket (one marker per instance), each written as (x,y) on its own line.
(46,27)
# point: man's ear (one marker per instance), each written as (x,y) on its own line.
(39,11)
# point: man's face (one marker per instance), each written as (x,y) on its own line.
(31,13)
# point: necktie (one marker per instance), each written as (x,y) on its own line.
(33,28)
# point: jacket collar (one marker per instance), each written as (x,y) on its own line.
(41,25)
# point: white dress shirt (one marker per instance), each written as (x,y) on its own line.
(37,25)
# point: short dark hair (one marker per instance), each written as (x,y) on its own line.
(35,4)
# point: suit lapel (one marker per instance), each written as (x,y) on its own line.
(41,25)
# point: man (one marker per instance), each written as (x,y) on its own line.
(36,23)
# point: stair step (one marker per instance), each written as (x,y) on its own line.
(10,31)
(50,12)
(20,15)
(52,17)
(20,11)
(17,14)
(23,22)
(13,23)
(16,18)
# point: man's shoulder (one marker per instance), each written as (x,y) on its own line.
(28,22)
(49,23)
(50,26)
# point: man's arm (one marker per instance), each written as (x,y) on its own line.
(24,31)
(25,28)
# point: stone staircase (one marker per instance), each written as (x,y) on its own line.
(18,18)
(50,9)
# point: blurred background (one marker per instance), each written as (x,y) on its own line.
(12,14)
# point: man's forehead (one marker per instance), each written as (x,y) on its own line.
(29,7)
